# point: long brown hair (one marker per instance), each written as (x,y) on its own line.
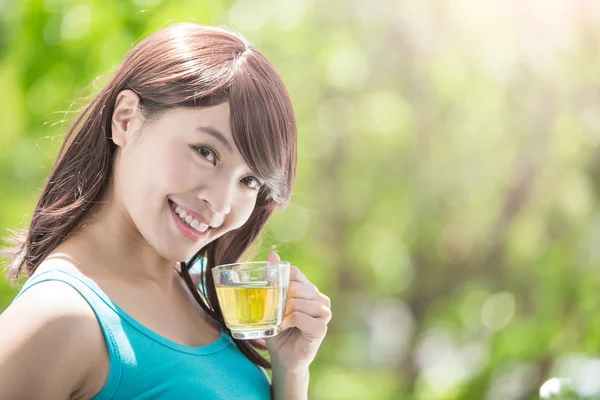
(184,65)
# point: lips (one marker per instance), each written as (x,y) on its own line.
(194,214)
(187,230)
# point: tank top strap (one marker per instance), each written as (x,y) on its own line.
(109,320)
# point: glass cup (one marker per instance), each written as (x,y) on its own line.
(252,296)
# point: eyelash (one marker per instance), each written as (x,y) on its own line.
(258,183)
(199,149)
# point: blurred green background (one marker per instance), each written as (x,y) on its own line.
(448,181)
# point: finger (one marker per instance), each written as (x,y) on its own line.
(325,300)
(303,291)
(309,326)
(309,307)
(273,258)
(298,276)
(308,292)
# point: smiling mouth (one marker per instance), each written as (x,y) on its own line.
(194,226)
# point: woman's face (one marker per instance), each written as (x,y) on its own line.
(181,180)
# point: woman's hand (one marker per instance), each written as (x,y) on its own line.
(304,325)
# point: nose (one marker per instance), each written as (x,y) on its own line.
(218,195)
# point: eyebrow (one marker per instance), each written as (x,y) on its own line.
(217,135)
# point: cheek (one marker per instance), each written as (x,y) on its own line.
(151,172)
(176,174)
(243,210)
(132,179)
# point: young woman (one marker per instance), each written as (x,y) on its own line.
(183,155)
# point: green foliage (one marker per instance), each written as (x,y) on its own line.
(447,184)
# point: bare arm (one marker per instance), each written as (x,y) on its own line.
(48,344)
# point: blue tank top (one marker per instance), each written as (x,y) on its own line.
(146,365)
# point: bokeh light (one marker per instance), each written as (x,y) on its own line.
(447,195)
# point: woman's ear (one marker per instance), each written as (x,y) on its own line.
(124,117)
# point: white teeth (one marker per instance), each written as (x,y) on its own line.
(191,221)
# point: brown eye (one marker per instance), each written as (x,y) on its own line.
(252,182)
(209,154)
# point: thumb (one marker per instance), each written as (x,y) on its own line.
(273,258)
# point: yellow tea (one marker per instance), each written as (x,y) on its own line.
(252,305)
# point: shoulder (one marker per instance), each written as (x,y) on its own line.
(50,335)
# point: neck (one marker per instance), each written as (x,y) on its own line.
(110,238)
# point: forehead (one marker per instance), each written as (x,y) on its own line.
(201,124)
(187,120)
